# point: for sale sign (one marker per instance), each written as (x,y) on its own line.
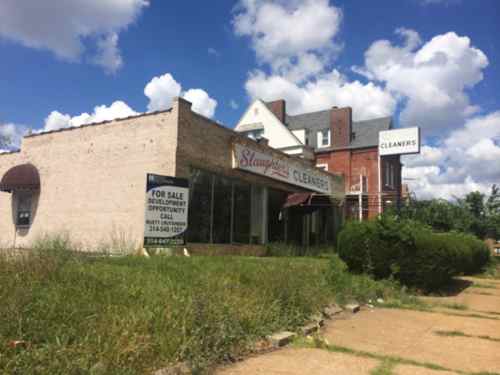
(166,217)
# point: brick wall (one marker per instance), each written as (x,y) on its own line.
(92,179)
(352,163)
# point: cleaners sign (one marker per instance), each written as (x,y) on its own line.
(399,141)
(166,211)
(280,169)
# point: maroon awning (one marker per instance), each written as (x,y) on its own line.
(24,176)
(296,199)
(307,200)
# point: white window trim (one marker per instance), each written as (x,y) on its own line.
(320,138)
(322,166)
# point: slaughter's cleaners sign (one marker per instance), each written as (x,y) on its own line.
(166,217)
(265,164)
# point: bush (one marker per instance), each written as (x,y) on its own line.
(410,252)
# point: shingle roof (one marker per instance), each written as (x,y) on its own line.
(365,132)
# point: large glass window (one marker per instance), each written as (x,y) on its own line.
(222,210)
(242,210)
(258,208)
(200,207)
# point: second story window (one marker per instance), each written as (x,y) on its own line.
(255,134)
(324,138)
(390,175)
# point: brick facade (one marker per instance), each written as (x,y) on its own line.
(351,163)
(93,177)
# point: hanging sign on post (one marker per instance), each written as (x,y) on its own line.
(166,216)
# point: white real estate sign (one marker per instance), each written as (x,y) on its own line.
(166,216)
(399,141)
(265,164)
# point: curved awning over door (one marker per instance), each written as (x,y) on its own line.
(22,177)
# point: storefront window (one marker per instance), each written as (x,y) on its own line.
(200,207)
(242,209)
(276,219)
(222,210)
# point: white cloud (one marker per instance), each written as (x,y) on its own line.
(285,30)
(109,56)
(13,134)
(202,103)
(466,160)
(367,100)
(296,41)
(163,89)
(432,78)
(56,120)
(61,26)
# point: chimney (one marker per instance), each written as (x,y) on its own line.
(341,126)
(278,107)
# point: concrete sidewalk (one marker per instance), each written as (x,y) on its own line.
(408,342)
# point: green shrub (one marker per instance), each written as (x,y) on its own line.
(410,252)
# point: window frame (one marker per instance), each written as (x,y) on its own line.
(324,134)
(23,213)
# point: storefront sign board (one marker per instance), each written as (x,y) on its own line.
(281,169)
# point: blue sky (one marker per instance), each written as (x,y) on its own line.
(432,63)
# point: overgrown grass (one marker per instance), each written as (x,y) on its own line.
(281,249)
(77,314)
(130,315)
(348,287)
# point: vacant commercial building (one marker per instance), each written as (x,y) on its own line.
(89,182)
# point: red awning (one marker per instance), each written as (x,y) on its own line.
(297,199)
(24,176)
(308,200)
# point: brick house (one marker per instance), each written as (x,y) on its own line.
(337,144)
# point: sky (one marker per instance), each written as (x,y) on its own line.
(428,63)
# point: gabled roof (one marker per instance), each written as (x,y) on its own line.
(365,132)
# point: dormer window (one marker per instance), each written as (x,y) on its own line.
(324,138)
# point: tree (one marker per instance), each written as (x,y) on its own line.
(476,213)
(492,208)
(5,141)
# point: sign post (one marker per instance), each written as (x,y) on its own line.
(403,141)
(166,214)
